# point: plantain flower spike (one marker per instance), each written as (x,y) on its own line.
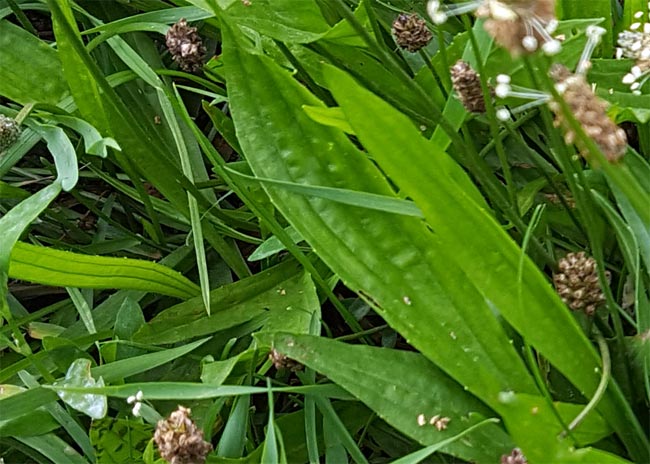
(515,457)
(467,84)
(9,132)
(634,43)
(411,32)
(589,110)
(577,282)
(185,46)
(520,26)
(178,439)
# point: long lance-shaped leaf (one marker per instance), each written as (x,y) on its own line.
(65,269)
(483,249)
(395,261)
(370,374)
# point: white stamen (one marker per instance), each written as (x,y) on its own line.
(502,90)
(595,31)
(503,114)
(501,12)
(503,79)
(552,48)
(552,25)
(594,34)
(529,43)
(629,78)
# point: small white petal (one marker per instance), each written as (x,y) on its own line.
(638,14)
(552,47)
(503,79)
(636,92)
(619,53)
(635,26)
(529,43)
(635,86)
(560,87)
(139,395)
(611,91)
(503,114)
(646,28)
(628,78)
(136,409)
(645,54)
(636,71)
(131,399)
(636,46)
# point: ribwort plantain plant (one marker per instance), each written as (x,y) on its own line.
(324,231)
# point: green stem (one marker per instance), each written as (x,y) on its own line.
(602,385)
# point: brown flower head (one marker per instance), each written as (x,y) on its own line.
(467,85)
(515,457)
(185,46)
(590,111)
(517,25)
(178,439)
(411,32)
(9,132)
(577,282)
(281,361)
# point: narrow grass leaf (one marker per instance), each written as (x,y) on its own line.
(123,368)
(195,217)
(344,196)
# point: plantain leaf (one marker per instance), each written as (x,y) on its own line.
(369,374)
(65,269)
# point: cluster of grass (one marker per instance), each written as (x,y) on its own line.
(301,234)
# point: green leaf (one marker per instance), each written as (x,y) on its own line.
(332,117)
(370,374)
(482,249)
(418,456)
(65,269)
(393,261)
(283,295)
(79,375)
(23,54)
(123,368)
(285,20)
